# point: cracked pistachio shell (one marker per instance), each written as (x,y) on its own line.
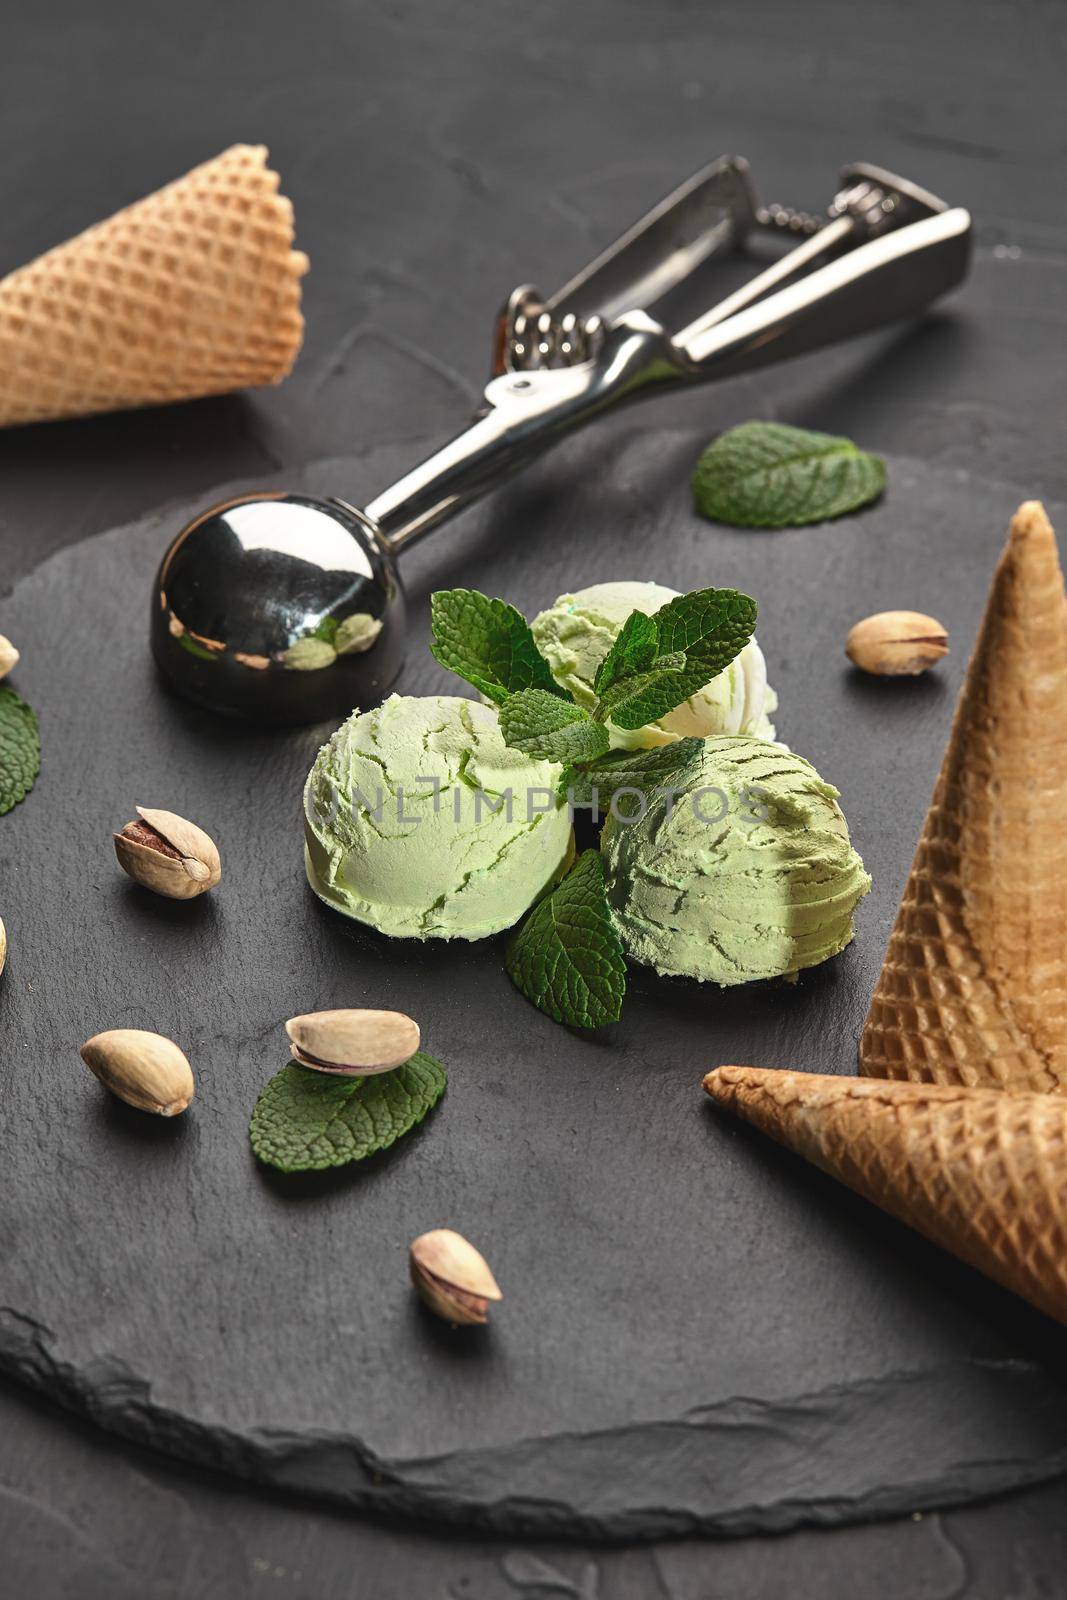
(168,854)
(144,1069)
(8,656)
(3,945)
(355,1043)
(896,643)
(452,1277)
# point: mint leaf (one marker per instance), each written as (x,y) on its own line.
(488,643)
(709,627)
(768,475)
(699,635)
(20,749)
(632,702)
(305,1121)
(634,650)
(643,770)
(567,956)
(542,725)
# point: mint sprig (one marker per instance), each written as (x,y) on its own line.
(642,771)
(20,748)
(306,1121)
(654,664)
(697,636)
(567,957)
(488,643)
(543,725)
(769,475)
(635,648)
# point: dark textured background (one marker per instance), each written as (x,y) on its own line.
(436,156)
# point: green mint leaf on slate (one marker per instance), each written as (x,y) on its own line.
(567,956)
(768,475)
(643,770)
(699,635)
(488,643)
(542,725)
(20,749)
(305,1121)
(634,650)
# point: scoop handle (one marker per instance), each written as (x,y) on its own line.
(526,414)
(882,281)
(890,277)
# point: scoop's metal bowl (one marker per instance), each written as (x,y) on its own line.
(279,608)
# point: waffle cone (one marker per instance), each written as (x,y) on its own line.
(980,1173)
(193,291)
(974,985)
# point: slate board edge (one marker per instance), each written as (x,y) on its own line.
(341,1469)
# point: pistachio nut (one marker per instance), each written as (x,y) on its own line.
(354,1043)
(3,945)
(896,643)
(168,855)
(144,1069)
(452,1277)
(8,656)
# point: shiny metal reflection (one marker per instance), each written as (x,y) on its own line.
(279,608)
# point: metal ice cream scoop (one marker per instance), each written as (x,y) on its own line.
(283,608)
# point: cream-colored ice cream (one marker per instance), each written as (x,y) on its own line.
(576,633)
(746,871)
(408,825)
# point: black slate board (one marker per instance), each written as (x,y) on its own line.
(698,1331)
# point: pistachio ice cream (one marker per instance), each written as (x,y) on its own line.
(576,633)
(420,821)
(745,871)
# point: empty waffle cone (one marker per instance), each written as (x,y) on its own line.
(193,291)
(974,985)
(980,1173)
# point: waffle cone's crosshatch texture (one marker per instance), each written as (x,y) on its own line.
(980,1173)
(192,291)
(974,985)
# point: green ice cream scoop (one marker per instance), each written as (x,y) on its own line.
(420,821)
(576,633)
(745,872)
